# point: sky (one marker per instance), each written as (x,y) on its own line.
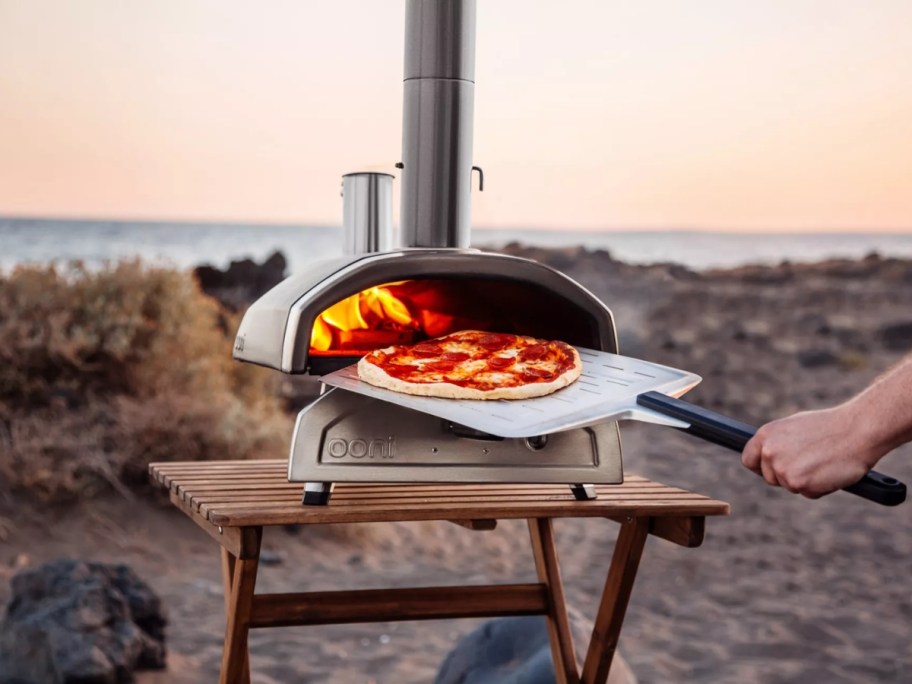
(782,115)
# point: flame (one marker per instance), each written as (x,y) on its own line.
(321,338)
(375,310)
(401,312)
(383,304)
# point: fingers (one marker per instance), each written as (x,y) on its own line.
(750,457)
(803,454)
(757,459)
(766,470)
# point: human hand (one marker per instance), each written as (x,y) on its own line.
(812,453)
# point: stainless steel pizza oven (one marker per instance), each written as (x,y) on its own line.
(329,316)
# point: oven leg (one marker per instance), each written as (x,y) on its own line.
(317,493)
(583,492)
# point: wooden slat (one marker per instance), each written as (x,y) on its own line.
(274,496)
(225,465)
(383,605)
(524,500)
(394,490)
(393,493)
(187,482)
(254,493)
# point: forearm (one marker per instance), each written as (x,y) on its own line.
(883,412)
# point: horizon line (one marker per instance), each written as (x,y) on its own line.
(607,229)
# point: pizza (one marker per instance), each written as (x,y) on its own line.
(471,364)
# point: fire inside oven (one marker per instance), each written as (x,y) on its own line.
(409,311)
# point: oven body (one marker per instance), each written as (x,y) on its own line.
(345,437)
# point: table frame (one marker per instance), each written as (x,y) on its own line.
(191,484)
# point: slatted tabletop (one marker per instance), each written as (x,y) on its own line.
(256,493)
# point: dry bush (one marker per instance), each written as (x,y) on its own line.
(102,372)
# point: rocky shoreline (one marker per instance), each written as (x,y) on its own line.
(784,590)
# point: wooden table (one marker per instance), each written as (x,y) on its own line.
(233,500)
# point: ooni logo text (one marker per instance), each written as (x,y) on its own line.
(362,448)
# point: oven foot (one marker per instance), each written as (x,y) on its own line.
(317,493)
(583,492)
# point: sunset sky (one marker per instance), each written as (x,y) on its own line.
(717,114)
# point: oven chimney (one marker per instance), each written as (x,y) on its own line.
(367,213)
(439,85)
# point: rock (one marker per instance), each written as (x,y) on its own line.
(272,557)
(817,358)
(33,660)
(897,336)
(685,338)
(243,281)
(513,650)
(758,275)
(98,624)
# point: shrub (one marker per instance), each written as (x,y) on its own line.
(103,371)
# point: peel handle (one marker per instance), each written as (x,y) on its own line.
(733,434)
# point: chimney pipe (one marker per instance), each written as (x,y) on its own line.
(439,94)
(367,212)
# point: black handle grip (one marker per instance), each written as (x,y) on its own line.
(727,432)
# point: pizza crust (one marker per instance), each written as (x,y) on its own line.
(374,375)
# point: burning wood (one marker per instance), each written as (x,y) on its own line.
(394,313)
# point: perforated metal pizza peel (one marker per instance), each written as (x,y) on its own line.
(607,390)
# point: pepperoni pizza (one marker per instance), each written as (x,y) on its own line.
(474,365)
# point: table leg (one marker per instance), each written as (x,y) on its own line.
(544,551)
(228,560)
(239,580)
(615,596)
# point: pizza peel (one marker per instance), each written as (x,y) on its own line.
(611,388)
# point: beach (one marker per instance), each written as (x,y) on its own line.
(783,590)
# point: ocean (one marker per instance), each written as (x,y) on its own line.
(188,244)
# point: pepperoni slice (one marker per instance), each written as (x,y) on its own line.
(456,357)
(426,350)
(440,366)
(500,362)
(536,374)
(495,342)
(534,353)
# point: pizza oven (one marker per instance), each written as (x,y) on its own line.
(329,316)
(336,311)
